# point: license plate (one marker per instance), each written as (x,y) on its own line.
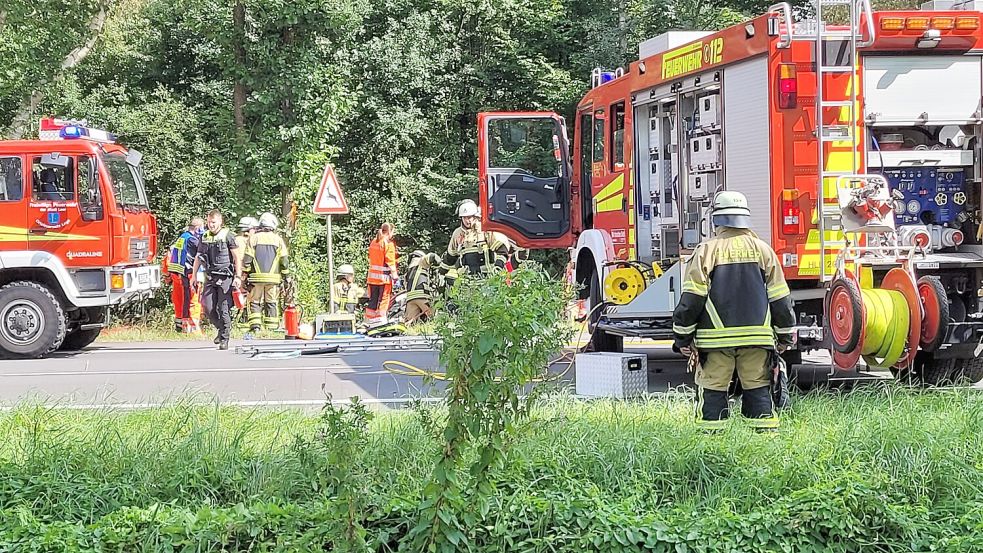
(927,265)
(143,278)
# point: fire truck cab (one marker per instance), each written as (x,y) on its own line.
(76,237)
(783,111)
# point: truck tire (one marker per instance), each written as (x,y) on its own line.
(600,341)
(947,372)
(32,321)
(78,339)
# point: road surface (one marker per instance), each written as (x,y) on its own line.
(140,374)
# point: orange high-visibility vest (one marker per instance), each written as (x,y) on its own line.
(382,262)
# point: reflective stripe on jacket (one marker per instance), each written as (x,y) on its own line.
(382,261)
(177,259)
(734,295)
(266,258)
(478,252)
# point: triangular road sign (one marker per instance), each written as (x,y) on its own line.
(330,200)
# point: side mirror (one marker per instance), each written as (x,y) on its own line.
(133,158)
(92,213)
(55,160)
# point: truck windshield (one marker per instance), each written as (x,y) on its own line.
(127,184)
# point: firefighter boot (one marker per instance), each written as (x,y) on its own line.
(712,409)
(756,405)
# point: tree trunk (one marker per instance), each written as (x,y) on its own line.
(19,123)
(239,51)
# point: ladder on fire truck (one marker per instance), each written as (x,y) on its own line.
(843,132)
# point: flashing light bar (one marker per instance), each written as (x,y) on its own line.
(922,23)
(51,128)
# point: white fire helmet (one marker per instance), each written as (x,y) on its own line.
(468,209)
(268,221)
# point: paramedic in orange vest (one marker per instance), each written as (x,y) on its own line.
(382,276)
(187,308)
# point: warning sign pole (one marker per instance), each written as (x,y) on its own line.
(330,201)
(331,308)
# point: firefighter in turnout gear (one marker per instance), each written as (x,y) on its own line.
(418,296)
(346,293)
(735,306)
(247,227)
(447,273)
(180,259)
(267,264)
(477,252)
(223,273)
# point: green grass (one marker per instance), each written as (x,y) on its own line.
(148,333)
(883,469)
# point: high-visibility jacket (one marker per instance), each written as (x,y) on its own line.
(418,279)
(734,295)
(181,256)
(346,296)
(382,262)
(266,258)
(478,252)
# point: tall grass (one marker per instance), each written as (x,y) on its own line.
(897,469)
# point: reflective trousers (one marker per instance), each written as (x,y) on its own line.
(380,298)
(264,309)
(713,377)
(187,307)
(417,311)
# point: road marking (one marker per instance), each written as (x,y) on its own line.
(255,403)
(346,368)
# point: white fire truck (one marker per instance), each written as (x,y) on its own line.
(876,117)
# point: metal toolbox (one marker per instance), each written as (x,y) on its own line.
(617,375)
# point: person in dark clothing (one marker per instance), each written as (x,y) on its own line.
(223,273)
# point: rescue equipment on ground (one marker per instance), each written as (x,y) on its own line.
(291,321)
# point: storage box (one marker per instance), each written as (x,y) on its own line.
(334,323)
(617,375)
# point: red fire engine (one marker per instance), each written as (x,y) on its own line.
(793,114)
(76,236)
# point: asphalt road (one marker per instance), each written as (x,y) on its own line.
(139,374)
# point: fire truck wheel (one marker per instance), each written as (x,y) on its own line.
(600,340)
(78,339)
(946,372)
(32,321)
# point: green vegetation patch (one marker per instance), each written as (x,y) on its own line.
(880,470)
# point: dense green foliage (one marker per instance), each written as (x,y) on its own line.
(238,104)
(881,470)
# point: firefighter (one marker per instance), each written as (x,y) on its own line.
(418,295)
(447,272)
(382,276)
(735,304)
(180,259)
(346,293)
(267,264)
(247,227)
(222,269)
(477,252)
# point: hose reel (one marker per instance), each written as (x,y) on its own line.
(883,325)
(624,284)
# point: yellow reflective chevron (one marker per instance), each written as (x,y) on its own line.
(612,196)
(20,234)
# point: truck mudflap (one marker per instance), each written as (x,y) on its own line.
(962,341)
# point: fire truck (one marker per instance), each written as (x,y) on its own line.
(76,237)
(807,118)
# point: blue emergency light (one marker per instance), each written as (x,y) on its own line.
(607,76)
(73,131)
